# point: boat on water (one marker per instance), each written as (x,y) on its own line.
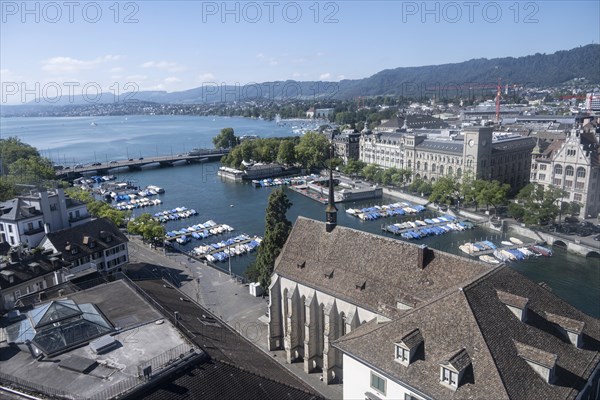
(500,255)
(507,243)
(489,259)
(541,250)
(516,241)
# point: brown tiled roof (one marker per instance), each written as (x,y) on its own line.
(568,324)
(512,299)
(538,356)
(98,232)
(388,268)
(476,319)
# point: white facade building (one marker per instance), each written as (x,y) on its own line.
(26,219)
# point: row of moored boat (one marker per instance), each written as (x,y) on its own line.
(514,250)
(388,210)
(225,249)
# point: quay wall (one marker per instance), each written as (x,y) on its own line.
(573,246)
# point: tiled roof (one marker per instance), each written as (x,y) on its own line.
(370,270)
(17,209)
(29,267)
(513,144)
(100,234)
(442,146)
(476,319)
(218,380)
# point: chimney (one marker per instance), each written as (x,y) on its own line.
(46,228)
(421,252)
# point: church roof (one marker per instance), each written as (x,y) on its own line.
(494,341)
(368,270)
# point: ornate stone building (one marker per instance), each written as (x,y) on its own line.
(478,150)
(571,164)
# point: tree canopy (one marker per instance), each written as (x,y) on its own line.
(226,139)
(277,229)
(21,163)
(537,205)
(150,229)
(98,208)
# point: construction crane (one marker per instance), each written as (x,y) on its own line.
(498,97)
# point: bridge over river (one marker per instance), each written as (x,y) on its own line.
(104,168)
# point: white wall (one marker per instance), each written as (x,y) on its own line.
(357,381)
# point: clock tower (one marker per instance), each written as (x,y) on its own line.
(477,152)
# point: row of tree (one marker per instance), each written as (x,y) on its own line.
(149,228)
(98,208)
(309,151)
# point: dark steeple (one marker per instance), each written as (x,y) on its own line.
(331,210)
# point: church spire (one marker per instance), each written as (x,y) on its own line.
(331,210)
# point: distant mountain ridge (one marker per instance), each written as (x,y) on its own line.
(538,70)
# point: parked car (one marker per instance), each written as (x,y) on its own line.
(141,158)
(597,237)
(131,159)
(113,161)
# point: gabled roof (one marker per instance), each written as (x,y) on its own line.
(496,341)
(16,210)
(101,233)
(454,147)
(370,270)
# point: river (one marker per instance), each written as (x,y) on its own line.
(79,140)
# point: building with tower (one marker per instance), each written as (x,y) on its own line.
(479,151)
(571,164)
(394,320)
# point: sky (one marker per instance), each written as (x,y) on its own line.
(59,48)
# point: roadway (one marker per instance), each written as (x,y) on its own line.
(137,163)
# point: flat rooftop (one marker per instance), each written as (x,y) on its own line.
(144,336)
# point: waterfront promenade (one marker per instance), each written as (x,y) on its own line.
(226,297)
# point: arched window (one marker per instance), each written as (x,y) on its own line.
(569,170)
(418,165)
(558,169)
(409,164)
(441,169)
(459,172)
(425,166)
(450,171)
(432,167)
(580,172)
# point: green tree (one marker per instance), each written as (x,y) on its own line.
(226,139)
(313,150)
(146,226)
(98,208)
(286,154)
(277,229)
(445,190)
(370,172)
(353,167)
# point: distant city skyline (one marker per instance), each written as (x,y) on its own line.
(47,47)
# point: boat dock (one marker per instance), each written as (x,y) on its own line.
(222,248)
(223,228)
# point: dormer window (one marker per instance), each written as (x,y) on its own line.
(542,362)
(453,369)
(571,328)
(407,346)
(516,304)
(402,354)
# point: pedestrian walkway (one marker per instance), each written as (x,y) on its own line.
(227,299)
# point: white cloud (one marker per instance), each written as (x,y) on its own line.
(325,76)
(137,77)
(4,71)
(340,77)
(207,76)
(172,79)
(116,70)
(57,65)
(260,56)
(163,65)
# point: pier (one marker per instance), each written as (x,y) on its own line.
(189,234)
(103,168)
